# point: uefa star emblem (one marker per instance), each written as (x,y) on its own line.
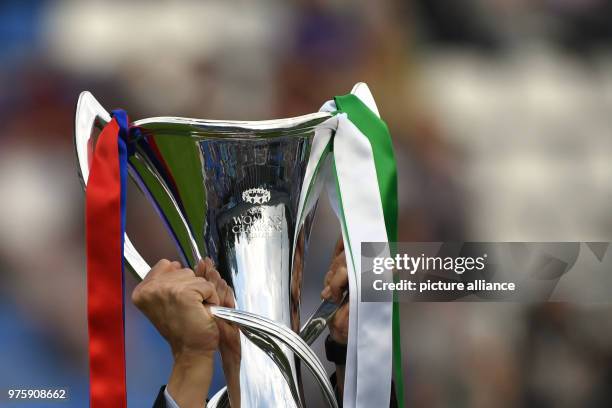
(256,195)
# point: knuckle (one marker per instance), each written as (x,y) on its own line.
(141,294)
(174,294)
(163,263)
(328,277)
(187,271)
(137,296)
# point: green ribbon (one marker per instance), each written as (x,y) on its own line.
(377,133)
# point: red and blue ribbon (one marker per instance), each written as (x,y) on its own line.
(105,230)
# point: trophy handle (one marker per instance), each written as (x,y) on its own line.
(90,113)
(317,322)
(308,334)
(260,327)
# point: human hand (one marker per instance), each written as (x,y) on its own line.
(335,286)
(175,300)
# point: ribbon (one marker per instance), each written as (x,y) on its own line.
(377,134)
(105,227)
(352,158)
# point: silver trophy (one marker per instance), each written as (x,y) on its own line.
(230,190)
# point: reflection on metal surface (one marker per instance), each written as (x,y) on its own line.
(309,333)
(315,325)
(219,400)
(230,190)
(264,332)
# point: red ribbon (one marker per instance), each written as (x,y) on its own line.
(105,312)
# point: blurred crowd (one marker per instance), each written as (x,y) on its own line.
(501,113)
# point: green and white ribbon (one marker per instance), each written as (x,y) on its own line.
(352,158)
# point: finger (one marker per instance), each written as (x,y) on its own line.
(210,272)
(336,284)
(339,246)
(183,273)
(162,266)
(200,269)
(206,291)
(339,279)
(339,260)
(222,290)
(213,276)
(229,298)
(210,262)
(326,292)
(333,295)
(342,313)
(339,326)
(204,266)
(328,277)
(226,295)
(219,283)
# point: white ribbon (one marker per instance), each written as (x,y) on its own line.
(341,160)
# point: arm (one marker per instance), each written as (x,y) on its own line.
(190,379)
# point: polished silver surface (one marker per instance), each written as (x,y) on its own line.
(316,323)
(230,190)
(311,330)
(267,334)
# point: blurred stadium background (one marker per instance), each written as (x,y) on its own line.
(501,112)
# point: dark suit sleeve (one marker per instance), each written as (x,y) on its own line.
(160,401)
